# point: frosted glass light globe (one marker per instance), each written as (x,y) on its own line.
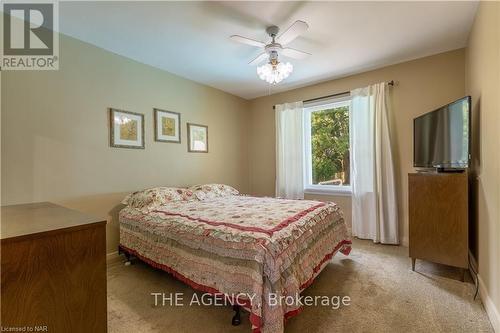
(274,73)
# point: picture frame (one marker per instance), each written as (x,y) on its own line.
(126,129)
(167,126)
(197,138)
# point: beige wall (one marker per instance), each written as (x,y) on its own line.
(343,201)
(55,138)
(421,86)
(483,84)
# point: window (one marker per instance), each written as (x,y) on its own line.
(327,147)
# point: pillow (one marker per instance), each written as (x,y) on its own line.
(157,196)
(212,191)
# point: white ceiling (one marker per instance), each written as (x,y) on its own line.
(190,39)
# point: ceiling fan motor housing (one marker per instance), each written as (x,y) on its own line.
(273,49)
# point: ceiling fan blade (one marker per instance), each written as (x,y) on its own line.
(260,58)
(248,41)
(295,54)
(296,29)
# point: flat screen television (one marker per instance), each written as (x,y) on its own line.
(441,138)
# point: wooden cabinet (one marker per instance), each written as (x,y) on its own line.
(438,217)
(53,269)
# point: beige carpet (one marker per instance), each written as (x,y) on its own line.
(386,296)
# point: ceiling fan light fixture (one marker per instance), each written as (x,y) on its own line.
(274,73)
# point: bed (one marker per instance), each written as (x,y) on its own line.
(246,248)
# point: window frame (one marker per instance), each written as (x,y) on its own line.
(309,187)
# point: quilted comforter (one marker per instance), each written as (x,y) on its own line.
(240,245)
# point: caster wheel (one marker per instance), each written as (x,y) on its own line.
(236,321)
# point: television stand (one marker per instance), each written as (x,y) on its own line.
(439,218)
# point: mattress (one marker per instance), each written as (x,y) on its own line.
(247,248)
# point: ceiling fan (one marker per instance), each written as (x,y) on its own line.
(275,71)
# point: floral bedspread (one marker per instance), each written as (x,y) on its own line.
(240,245)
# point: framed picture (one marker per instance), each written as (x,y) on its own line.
(167,126)
(197,138)
(126,129)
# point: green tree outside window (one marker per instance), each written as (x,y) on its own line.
(330,146)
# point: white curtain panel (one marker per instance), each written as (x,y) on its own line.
(374,208)
(290,150)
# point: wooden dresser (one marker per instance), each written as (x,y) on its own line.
(53,269)
(438,216)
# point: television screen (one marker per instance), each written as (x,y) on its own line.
(441,137)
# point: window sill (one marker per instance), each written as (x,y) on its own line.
(336,191)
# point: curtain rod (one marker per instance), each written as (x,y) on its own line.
(390,83)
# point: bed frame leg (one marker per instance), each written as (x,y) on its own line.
(127,256)
(237,316)
(128,262)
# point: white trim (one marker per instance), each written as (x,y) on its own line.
(489,306)
(307,148)
(329,190)
(309,187)
(330,103)
(473,261)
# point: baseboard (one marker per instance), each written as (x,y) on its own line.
(473,261)
(489,306)
(112,257)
